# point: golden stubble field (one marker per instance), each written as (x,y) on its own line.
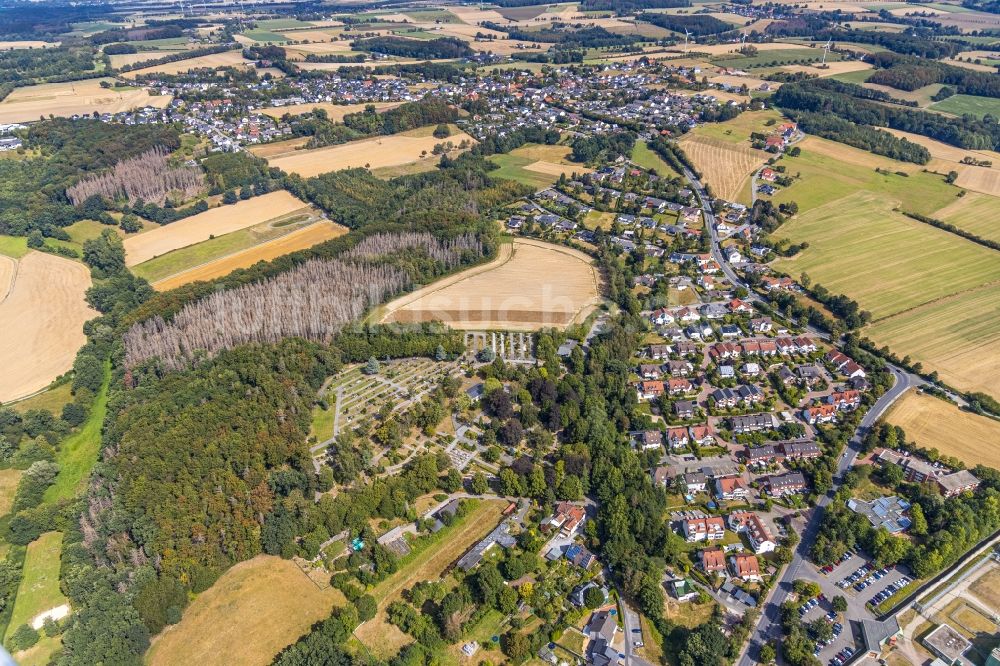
(934,423)
(42,311)
(299,239)
(529,286)
(255,610)
(384,151)
(945,158)
(213,222)
(212,61)
(724,165)
(73,97)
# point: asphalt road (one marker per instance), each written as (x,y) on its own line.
(769,626)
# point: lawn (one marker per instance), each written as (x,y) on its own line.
(428,559)
(971,104)
(771,58)
(322,423)
(78,452)
(282,24)
(646,158)
(512,168)
(858,77)
(432,16)
(266,36)
(39,588)
(51,400)
(742,126)
(14,246)
(828,171)
(860,247)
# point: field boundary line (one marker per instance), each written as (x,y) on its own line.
(231,254)
(13,277)
(935,301)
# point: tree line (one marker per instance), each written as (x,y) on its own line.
(909,73)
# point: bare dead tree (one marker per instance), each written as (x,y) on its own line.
(148,177)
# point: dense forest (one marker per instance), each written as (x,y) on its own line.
(33,189)
(437,48)
(909,73)
(31,65)
(820,96)
(867,138)
(569,37)
(698,25)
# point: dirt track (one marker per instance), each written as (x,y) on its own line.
(42,322)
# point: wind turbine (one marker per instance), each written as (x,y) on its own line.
(687,35)
(826,49)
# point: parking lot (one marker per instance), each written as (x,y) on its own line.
(859,582)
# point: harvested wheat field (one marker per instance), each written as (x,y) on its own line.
(122,59)
(335,112)
(374,153)
(832,68)
(724,165)
(474,15)
(722,49)
(73,97)
(976,213)
(42,322)
(8,267)
(255,610)
(947,158)
(27,44)
(276,148)
(300,51)
(213,222)
(738,81)
(934,423)
(212,61)
(956,336)
(530,285)
(299,239)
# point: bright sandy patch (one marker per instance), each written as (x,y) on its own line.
(934,423)
(299,239)
(336,112)
(57,613)
(733,80)
(474,15)
(215,60)
(529,286)
(384,151)
(213,222)
(42,322)
(73,97)
(551,169)
(251,613)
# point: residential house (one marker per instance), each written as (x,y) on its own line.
(745,567)
(695,482)
(601,630)
(844,400)
(752,423)
(679,385)
(567,519)
(650,371)
(684,409)
(786,484)
(959,482)
(711,528)
(758,534)
(800,449)
(819,414)
(713,560)
(701,435)
(658,352)
(677,438)
(763,455)
(650,390)
(649,439)
(728,488)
